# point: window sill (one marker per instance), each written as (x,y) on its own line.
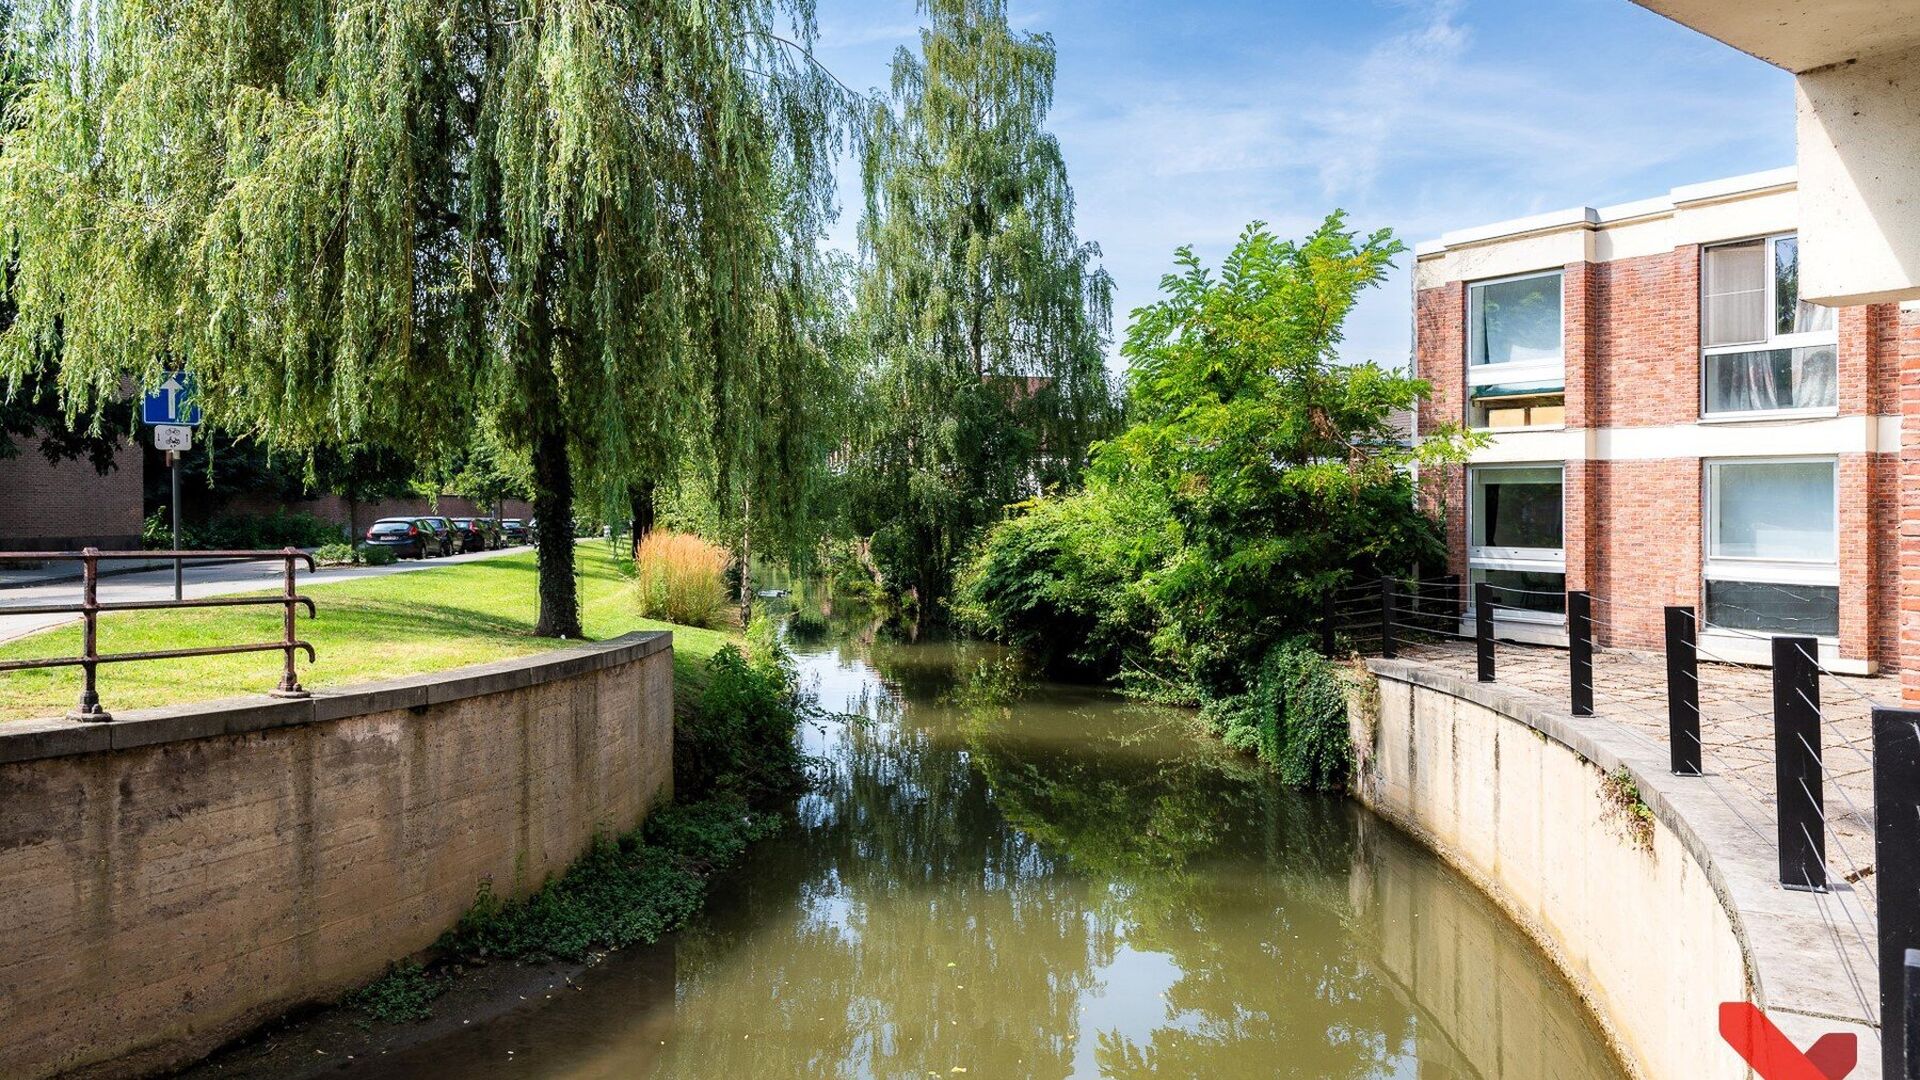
(1520,430)
(1770,415)
(1744,648)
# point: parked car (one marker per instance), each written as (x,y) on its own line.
(443,530)
(514,529)
(475,534)
(407,538)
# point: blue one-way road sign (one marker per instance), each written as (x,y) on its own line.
(171,402)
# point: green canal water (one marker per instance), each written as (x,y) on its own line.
(998,879)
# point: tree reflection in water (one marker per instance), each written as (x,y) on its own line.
(1040,881)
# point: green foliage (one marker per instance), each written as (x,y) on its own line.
(404,995)
(338,554)
(1063,579)
(373,555)
(985,312)
(231,532)
(1293,716)
(621,892)
(1258,475)
(741,740)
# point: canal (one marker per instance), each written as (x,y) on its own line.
(998,878)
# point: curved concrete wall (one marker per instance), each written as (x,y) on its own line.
(1654,939)
(176,877)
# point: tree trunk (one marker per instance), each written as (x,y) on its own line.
(552,474)
(640,499)
(553,505)
(746,563)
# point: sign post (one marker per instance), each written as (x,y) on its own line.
(173,413)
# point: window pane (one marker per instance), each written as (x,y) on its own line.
(1792,609)
(1790,316)
(1516,508)
(1529,590)
(1774,510)
(1515,320)
(1771,379)
(1734,294)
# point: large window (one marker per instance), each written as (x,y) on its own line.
(1772,546)
(1766,350)
(1515,356)
(1515,536)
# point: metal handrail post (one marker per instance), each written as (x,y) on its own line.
(89,708)
(289,679)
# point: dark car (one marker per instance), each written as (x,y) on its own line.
(406,537)
(443,531)
(514,530)
(475,534)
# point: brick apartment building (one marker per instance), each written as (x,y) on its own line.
(1670,424)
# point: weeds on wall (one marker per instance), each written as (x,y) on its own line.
(1626,809)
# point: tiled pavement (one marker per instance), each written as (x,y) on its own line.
(1736,729)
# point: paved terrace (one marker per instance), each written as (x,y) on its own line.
(1736,731)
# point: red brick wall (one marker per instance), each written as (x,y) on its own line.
(359,516)
(1909,538)
(1647,339)
(56,507)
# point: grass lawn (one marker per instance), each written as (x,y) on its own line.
(369,629)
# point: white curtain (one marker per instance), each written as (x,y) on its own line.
(1734,294)
(1774,510)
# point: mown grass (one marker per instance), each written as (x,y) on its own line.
(369,629)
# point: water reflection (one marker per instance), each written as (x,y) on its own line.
(1010,880)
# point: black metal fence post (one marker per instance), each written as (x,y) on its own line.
(1896,850)
(1483,629)
(1580,650)
(1386,617)
(1796,764)
(1683,692)
(1912,1018)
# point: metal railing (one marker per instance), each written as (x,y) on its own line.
(90,607)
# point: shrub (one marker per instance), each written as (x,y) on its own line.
(741,739)
(1293,716)
(375,555)
(240,531)
(1064,580)
(678,577)
(336,555)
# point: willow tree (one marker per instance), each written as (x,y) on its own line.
(369,221)
(989,314)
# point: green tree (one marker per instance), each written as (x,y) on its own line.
(364,222)
(987,312)
(1259,474)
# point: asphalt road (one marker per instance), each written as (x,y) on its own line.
(222,579)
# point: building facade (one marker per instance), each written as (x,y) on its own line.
(68,505)
(1668,423)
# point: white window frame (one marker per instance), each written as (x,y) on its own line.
(1520,371)
(1813,339)
(1538,560)
(1745,569)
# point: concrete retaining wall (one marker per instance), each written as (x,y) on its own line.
(1653,938)
(172,879)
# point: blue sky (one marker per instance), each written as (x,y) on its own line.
(1181,122)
